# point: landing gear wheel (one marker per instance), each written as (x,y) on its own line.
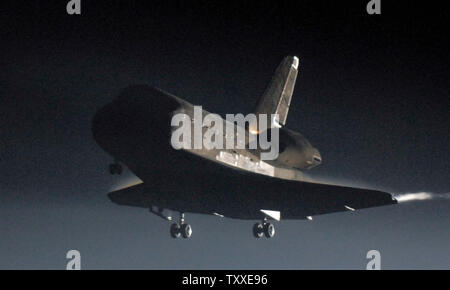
(269,230)
(186,231)
(115,168)
(258,230)
(175,231)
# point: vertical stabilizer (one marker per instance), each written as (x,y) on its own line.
(277,97)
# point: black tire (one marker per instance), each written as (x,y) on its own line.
(175,231)
(258,230)
(269,230)
(186,231)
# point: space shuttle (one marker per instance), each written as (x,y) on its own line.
(136,130)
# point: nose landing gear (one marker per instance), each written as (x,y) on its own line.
(181,229)
(263,229)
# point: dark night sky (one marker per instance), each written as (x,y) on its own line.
(372,94)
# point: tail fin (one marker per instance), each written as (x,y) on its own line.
(277,97)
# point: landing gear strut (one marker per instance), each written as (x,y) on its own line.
(181,229)
(115,168)
(263,229)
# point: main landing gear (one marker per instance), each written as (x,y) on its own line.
(263,229)
(181,229)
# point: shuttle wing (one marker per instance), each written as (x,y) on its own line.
(250,196)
